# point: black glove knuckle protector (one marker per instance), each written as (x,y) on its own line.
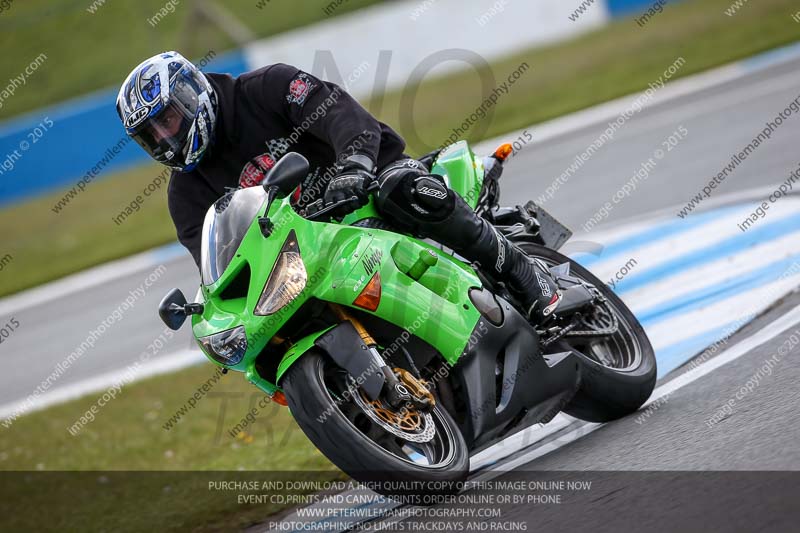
(353,180)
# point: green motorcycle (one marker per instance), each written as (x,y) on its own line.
(396,358)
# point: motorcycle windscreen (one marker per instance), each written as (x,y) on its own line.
(224,227)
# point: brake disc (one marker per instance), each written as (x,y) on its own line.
(408,424)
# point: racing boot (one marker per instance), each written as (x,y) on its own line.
(477,240)
(529,279)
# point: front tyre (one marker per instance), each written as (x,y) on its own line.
(412,455)
(618,371)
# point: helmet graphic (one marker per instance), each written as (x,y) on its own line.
(169,108)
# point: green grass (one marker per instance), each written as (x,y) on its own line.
(86,51)
(614,61)
(49,246)
(128,432)
(128,435)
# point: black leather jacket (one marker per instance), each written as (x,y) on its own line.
(262,115)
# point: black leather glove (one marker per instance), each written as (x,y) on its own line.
(355,178)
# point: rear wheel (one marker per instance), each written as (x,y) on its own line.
(618,369)
(368,440)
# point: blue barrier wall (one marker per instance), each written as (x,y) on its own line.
(619,8)
(82,137)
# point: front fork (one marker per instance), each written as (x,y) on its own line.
(395,391)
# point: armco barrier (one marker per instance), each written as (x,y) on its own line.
(86,136)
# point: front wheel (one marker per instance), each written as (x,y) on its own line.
(397,454)
(618,371)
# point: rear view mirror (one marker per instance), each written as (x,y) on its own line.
(173,309)
(287,173)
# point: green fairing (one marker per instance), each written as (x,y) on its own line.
(297,350)
(339,260)
(462,171)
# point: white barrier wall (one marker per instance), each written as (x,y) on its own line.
(412,31)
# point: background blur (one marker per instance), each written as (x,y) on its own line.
(422,66)
(425,67)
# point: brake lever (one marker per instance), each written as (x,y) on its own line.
(332,207)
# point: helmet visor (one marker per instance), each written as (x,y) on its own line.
(165,135)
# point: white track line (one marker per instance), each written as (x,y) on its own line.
(673,90)
(682,243)
(724,269)
(88,279)
(719,313)
(606,232)
(519,441)
(670,288)
(160,365)
(690,110)
(765,334)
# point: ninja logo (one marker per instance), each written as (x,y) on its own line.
(372,261)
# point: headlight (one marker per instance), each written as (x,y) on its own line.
(227,347)
(287,280)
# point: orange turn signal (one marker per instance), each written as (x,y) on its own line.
(370,296)
(279,398)
(502,153)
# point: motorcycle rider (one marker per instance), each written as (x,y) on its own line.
(218,132)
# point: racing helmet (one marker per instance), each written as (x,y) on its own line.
(169,108)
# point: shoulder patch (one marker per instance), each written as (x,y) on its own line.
(299,89)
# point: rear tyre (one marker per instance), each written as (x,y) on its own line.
(342,429)
(618,371)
